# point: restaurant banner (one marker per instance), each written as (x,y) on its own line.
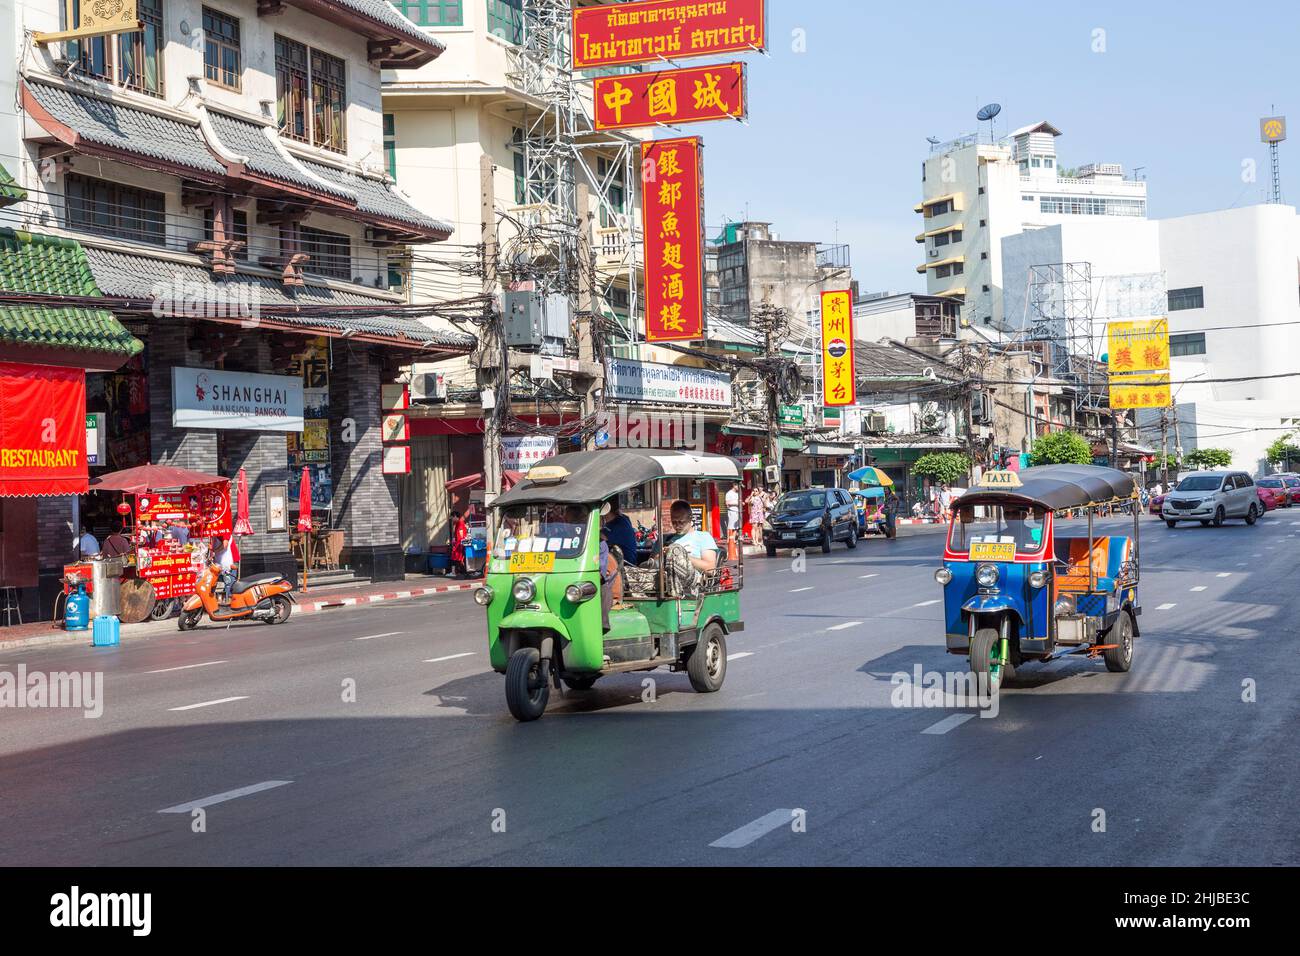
(672,203)
(42,430)
(204,509)
(247,401)
(521,452)
(838,378)
(1137,347)
(1140,391)
(692,95)
(627,380)
(173,569)
(648,30)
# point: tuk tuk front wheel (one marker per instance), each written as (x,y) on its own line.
(1120,658)
(707,665)
(985,653)
(526,692)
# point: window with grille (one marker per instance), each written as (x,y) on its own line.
(132,60)
(1188,343)
(109,209)
(291,88)
(329,101)
(506,19)
(221,55)
(331,252)
(390,145)
(432,13)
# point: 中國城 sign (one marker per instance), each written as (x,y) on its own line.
(643,31)
(246,401)
(42,430)
(627,380)
(672,213)
(692,95)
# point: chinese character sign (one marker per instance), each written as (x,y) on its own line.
(1138,347)
(671,96)
(673,218)
(614,34)
(838,386)
(1140,391)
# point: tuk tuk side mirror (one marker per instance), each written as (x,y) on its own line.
(605,509)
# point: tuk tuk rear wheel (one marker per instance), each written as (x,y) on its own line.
(707,665)
(984,650)
(526,692)
(1119,659)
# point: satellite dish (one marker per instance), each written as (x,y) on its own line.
(933,140)
(986,114)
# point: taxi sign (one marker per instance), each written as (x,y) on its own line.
(1000,479)
(532,562)
(548,473)
(992,551)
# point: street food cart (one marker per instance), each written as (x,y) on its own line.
(168,517)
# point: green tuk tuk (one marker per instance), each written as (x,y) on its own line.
(551,618)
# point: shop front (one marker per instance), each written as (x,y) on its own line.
(817,464)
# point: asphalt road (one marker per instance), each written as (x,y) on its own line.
(426,766)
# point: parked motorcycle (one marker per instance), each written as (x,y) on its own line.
(262,597)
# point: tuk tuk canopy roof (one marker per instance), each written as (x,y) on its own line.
(598,475)
(1057,487)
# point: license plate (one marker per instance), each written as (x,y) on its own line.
(992,551)
(787,537)
(532,563)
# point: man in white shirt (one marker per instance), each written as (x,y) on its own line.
(733,510)
(224,557)
(86,544)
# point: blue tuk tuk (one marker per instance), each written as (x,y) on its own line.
(1015,590)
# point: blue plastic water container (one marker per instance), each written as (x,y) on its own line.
(107,631)
(76,613)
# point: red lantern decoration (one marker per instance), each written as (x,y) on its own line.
(123,509)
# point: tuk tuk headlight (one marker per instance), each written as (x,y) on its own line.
(943,576)
(987,575)
(524,590)
(577,593)
(1037,579)
(483,596)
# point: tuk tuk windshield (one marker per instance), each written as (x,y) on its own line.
(534,529)
(1002,524)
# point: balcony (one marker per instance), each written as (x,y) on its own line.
(613,254)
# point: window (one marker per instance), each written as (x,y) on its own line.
(1188,343)
(221,49)
(432,13)
(952,269)
(981,190)
(133,61)
(1047,163)
(1036,162)
(1091,206)
(1190,298)
(983,223)
(390,145)
(984,255)
(311,95)
(506,19)
(331,252)
(108,209)
(985,288)
(291,88)
(938,209)
(609,171)
(238,230)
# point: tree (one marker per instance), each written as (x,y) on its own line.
(1283,449)
(948,467)
(1061,448)
(1208,458)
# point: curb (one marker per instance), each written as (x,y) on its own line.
(311,607)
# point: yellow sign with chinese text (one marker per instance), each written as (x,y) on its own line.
(1140,391)
(1138,347)
(838,377)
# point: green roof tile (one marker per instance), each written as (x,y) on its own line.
(48,265)
(10,193)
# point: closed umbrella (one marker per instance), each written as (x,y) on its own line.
(242,525)
(304,519)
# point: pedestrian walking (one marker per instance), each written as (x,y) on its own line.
(891,513)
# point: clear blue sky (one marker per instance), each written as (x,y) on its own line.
(838,132)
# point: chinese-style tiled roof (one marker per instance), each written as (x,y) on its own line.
(49,265)
(125,128)
(383,12)
(377,197)
(264,158)
(911,440)
(10,192)
(139,277)
(888,361)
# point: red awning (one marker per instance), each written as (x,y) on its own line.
(135,481)
(473,482)
(42,430)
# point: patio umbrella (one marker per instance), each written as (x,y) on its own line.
(242,525)
(870,476)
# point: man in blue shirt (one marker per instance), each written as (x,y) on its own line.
(699,545)
(619,531)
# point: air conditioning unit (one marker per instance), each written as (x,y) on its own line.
(428,387)
(934,253)
(873,423)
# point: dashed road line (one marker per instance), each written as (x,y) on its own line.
(371,637)
(846,624)
(208,703)
(926,603)
(1224,574)
(1166,607)
(951,722)
(738,655)
(863,577)
(751,831)
(223,797)
(1199,587)
(798,590)
(186,667)
(449,657)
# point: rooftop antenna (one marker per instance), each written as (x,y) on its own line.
(986,115)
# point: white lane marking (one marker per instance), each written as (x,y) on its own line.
(797,590)
(185,667)
(1199,587)
(1225,574)
(1166,607)
(208,703)
(750,832)
(926,603)
(223,797)
(371,637)
(951,722)
(449,657)
(863,577)
(737,656)
(846,624)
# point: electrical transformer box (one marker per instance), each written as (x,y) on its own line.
(534,320)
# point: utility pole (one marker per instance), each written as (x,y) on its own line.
(491,359)
(589,357)
(1164,448)
(773,407)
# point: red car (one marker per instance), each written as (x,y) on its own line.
(1269,497)
(1153,506)
(1284,488)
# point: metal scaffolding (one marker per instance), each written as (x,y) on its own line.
(1062,315)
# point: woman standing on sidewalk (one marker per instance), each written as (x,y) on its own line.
(459,532)
(757,502)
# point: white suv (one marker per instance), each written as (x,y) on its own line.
(1211,497)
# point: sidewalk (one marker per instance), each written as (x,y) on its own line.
(314,601)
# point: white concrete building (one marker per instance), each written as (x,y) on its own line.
(975,194)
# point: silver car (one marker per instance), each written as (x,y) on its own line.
(1211,497)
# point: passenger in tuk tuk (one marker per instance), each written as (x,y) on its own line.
(690,555)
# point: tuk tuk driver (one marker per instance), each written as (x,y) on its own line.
(699,545)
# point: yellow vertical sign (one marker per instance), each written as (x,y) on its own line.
(93,18)
(838,379)
(1138,364)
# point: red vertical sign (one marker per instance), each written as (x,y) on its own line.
(672,215)
(42,430)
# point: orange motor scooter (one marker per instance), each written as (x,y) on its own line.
(262,597)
